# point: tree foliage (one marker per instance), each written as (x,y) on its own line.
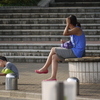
(18,2)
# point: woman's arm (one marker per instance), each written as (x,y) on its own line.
(67,27)
(73,31)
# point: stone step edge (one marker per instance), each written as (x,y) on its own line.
(46,24)
(42,36)
(27,57)
(76,3)
(86,13)
(29,95)
(80,98)
(47,19)
(38,51)
(39,30)
(40,44)
(41,8)
(18,94)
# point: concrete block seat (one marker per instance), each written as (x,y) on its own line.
(86,69)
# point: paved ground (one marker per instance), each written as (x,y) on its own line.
(5,98)
(30,82)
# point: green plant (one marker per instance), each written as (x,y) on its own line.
(18,2)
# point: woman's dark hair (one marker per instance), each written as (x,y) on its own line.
(3,58)
(73,20)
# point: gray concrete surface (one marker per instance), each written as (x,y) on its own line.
(6,98)
(29,83)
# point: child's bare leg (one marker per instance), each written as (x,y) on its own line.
(48,61)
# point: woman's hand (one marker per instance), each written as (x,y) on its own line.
(67,21)
(62,41)
(66,32)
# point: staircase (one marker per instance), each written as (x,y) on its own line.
(76,3)
(28,33)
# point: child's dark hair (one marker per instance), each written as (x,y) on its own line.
(73,20)
(3,58)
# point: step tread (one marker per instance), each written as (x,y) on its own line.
(45,30)
(27,50)
(92,24)
(46,19)
(43,24)
(37,57)
(50,13)
(33,13)
(92,50)
(24,50)
(42,8)
(42,43)
(76,3)
(41,36)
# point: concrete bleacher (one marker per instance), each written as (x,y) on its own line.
(75,3)
(19,20)
(28,33)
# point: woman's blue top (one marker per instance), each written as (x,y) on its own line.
(79,44)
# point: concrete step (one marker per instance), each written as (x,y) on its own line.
(43,38)
(30,10)
(27,52)
(80,14)
(38,51)
(24,52)
(27,59)
(46,20)
(77,1)
(41,45)
(44,32)
(22,95)
(45,26)
(36,59)
(28,33)
(75,4)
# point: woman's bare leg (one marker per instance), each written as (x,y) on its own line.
(55,60)
(48,61)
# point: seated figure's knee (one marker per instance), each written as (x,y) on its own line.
(53,49)
(54,57)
